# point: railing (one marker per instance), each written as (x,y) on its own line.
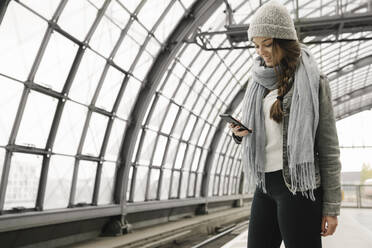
(356,195)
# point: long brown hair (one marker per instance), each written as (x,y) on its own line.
(291,51)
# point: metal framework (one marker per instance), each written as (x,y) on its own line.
(184,79)
(316,28)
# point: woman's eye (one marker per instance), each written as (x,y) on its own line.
(268,45)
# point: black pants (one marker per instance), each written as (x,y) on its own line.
(279,215)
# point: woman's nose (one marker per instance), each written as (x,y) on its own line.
(260,51)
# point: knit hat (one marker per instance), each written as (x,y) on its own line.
(272,20)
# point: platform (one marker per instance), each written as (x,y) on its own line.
(354,230)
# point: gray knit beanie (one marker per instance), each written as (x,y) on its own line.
(272,20)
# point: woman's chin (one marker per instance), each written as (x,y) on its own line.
(269,64)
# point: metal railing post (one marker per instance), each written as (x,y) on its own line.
(358,196)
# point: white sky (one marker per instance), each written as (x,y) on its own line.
(355,131)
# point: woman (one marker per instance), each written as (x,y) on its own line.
(293,153)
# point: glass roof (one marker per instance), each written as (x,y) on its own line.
(99,94)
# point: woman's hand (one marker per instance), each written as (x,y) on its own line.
(329,224)
(235,130)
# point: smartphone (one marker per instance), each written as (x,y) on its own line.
(228,118)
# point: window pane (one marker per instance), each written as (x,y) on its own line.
(170,85)
(152,11)
(181,122)
(97,3)
(130,5)
(191,99)
(106,189)
(185,180)
(23,181)
(136,147)
(129,187)
(105,37)
(154,183)
(36,120)
(114,142)
(10,95)
(160,150)
(198,185)
(153,47)
(180,156)
(171,153)
(96,132)
(195,162)
(143,65)
(197,130)
(169,21)
(137,32)
(169,119)
(128,99)
(229,191)
(203,136)
(141,182)
(45,9)
(214,183)
(189,127)
(181,93)
(158,112)
(81,12)
(56,62)
(147,148)
(164,194)
(2,156)
(118,14)
(127,52)
(85,182)
(221,185)
(202,161)
(87,77)
(59,181)
(110,89)
(191,185)
(175,184)
(21,34)
(70,128)
(190,152)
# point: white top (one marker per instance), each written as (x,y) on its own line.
(274,136)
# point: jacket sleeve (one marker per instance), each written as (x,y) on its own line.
(237,139)
(328,152)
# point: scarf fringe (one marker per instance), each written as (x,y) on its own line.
(261,181)
(303,179)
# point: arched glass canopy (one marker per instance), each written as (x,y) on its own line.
(112,106)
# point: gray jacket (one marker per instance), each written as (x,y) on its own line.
(327,152)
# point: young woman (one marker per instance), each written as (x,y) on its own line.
(292,154)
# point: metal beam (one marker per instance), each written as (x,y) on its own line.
(199,13)
(3,6)
(354,94)
(341,114)
(349,67)
(11,222)
(319,26)
(216,137)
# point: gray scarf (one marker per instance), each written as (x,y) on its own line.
(303,122)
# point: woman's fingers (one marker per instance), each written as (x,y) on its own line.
(239,133)
(323,226)
(329,224)
(235,130)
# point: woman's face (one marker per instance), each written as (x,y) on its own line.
(264,48)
